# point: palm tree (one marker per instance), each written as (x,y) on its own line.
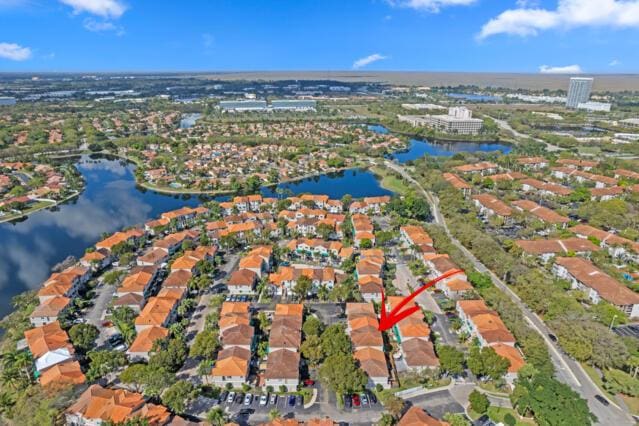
(216,417)
(274,414)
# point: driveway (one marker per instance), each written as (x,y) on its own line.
(405,278)
(96,315)
(438,403)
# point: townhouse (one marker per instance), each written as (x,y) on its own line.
(64,284)
(483,323)
(548,249)
(626,174)
(415,236)
(454,286)
(54,355)
(607,193)
(506,177)
(98,405)
(412,334)
(284,280)
(132,237)
(458,183)
(598,285)
(545,189)
(369,205)
(586,165)
(489,205)
(96,260)
(368,343)
(316,248)
(184,217)
(617,246)
(542,213)
(237,337)
(487,327)
(580,176)
(369,271)
(483,168)
(532,163)
(49,311)
(283,362)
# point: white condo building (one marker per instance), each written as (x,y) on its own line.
(579,91)
(459,120)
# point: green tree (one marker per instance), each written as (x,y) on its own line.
(550,402)
(485,362)
(450,359)
(83,336)
(179,395)
(456,419)
(334,341)
(311,349)
(170,354)
(102,363)
(478,402)
(303,287)
(340,373)
(216,417)
(325,230)
(205,344)
(312,326)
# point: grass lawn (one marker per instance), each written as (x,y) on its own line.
(390,182)
(631,402)
(497,414)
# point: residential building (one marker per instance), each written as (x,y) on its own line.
(598,285)
(579,91)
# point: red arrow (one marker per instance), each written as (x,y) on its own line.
(387,321)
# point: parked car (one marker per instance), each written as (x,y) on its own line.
(553,337)
(299,401)
(248,399)
(373,398)
(291,401)
(263,400)
(230,398)
(356,402)
(239,398)
(347,401)
(603,400)
(309,382)
(273,399)
(364,399)
(223,397)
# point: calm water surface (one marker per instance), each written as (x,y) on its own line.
(420,147)
(112,201)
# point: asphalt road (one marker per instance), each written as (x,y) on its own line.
(568,371)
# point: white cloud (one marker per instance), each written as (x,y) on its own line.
(361,63)
(433,6)
(14,52)
(529,21)
(102,26)
(568,69)
(614,63)
(104,8)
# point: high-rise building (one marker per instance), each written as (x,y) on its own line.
(579,91)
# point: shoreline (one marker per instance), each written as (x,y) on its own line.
(29,213)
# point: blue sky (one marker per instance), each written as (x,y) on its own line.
(592,36)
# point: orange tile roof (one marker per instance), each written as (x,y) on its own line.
(68,372)
(232,362)
(511,354)
(47,338)
(156,311)
(415,416)
(372,361)
(51,307)
(98,403)
(292,309)
(229,308)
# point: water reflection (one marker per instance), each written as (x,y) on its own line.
(112,201)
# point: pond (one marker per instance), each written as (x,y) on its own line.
(112,201)
(418,148)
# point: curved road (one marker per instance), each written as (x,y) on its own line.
(568,371)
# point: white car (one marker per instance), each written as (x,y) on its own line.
(263,400)
(230,398)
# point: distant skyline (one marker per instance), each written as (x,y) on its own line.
(523,36)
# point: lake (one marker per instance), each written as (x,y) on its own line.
(473,97)
(112,201)
(418,148)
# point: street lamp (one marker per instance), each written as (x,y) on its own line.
(613,321)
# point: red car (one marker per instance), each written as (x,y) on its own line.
(309,382)
(356,401)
